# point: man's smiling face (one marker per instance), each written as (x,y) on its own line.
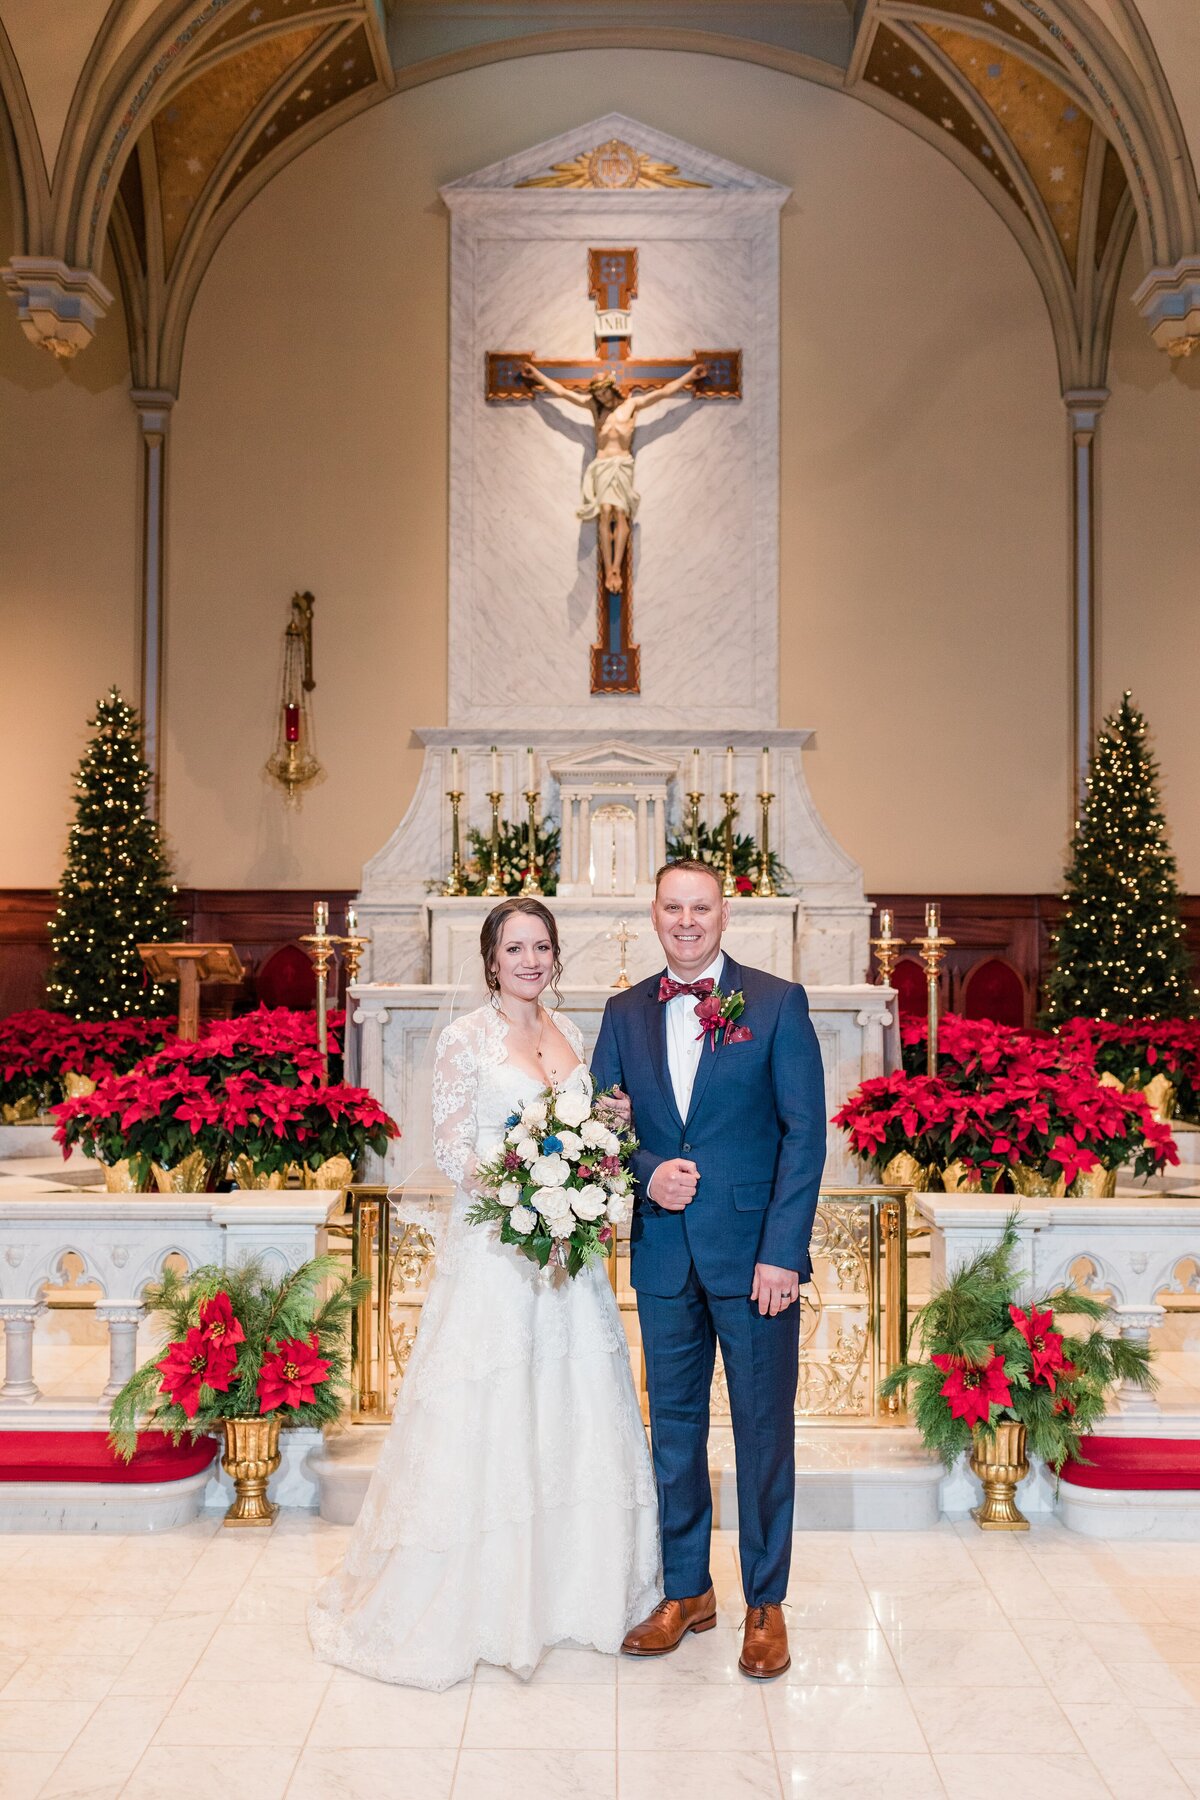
(689,914)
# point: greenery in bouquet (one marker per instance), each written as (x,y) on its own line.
(116,890)
(514,856)
(710,840)
(559,1186)
(1120,951)
(986,1359)
(238,1343)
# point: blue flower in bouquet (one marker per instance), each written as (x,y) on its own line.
(552,1145)
(514,1118)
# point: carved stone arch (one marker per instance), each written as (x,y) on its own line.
(46,1271)
(22,149)
(151,1267)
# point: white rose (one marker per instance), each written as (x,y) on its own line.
(572,1144)
(611,1144)
(573,1109)
(549,1171)
(561,1225)
(617,1184)
(515,1135)
(588,1203)
(522,1219)
(509,1193)
(552,1202)
(617,1211)
(533,1118)
(594,1133)
(528,1151)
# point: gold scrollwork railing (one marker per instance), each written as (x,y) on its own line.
(853,1331)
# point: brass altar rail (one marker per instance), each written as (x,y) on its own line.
(855,1324)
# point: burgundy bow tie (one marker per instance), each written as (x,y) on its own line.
(670,989)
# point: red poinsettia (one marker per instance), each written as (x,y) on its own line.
(1045,1344)
(192,1363)
(972,1389)
(291,1373)
(218,1323)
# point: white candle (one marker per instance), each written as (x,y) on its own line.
(766,770)
(885,922)
(454,772)
(933,920)
(351,922)
(495,770)
(320,917)
(695,771)
(729,769)
(531,783)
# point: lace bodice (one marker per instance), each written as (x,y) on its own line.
(475,1087)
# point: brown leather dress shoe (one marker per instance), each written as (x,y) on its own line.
(765,1651)
(670,1623)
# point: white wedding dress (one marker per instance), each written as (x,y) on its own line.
(513,1506)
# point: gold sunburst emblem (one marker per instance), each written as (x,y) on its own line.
(612,165)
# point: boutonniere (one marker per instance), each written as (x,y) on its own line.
(718,1013)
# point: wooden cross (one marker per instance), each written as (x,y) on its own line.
(612,285)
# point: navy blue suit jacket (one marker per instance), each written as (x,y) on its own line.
(755,1130)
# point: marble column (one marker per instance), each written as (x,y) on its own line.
(583,843)
(643,839)
(153,408)
(19,1318)
(1136,1323)
(566,839)
(1084,407)
(122,1322)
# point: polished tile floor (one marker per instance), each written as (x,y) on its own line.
(945,1664)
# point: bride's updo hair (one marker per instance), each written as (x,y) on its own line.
(493,931)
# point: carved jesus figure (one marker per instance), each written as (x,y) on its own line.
(608,492)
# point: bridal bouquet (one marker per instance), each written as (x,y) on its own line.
(559,1185)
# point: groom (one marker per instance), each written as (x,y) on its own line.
(729,1108)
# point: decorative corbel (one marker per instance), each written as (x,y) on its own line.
(1169,301)
(59,308)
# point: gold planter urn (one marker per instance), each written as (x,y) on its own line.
(191,1175)
(1034,1185)
(335,1172)
(905,1171)
(251,1458)
(1000,1462)
(958,1178)
(119,1178)
(1160,1096)
(1094,1184)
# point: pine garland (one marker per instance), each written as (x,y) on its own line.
(116,888)
(1120,949)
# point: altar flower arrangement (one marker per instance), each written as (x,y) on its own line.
(559,1186)
(277,1132)
(986,1360)
(239,1343)
(45,1054)
(900,1115)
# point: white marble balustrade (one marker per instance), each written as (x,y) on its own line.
(1134,1248)
(122,1242)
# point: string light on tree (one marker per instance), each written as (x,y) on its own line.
(116,888)
(1120,949)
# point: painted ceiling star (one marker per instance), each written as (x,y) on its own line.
(1058,173)
(194,165)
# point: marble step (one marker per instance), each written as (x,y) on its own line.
(852,1478)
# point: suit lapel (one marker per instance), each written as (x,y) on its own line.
(656,1039)
(730,982)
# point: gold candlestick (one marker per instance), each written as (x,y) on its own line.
(531,884)
(321,950)
(887,947)
(765,887)
(729,885)
(693,824)
(454,884)
(495,885)
(351,949)
(624,937)
(933,947)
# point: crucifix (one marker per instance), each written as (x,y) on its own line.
(615,388)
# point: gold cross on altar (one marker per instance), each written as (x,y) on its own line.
(624,937)
(612,285)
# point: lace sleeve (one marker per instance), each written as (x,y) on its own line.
(455,1082)
(572,1033)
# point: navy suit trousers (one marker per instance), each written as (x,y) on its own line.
(680,1333)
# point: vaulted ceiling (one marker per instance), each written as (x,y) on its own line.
(181,110)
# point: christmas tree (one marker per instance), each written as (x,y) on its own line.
(1120,947)
(116,889)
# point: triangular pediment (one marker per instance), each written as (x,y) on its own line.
(611,764)
(693,170)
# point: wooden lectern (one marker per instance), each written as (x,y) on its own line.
(189,965)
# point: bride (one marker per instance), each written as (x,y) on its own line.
(513,1506)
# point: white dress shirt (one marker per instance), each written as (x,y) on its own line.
(685,1042)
